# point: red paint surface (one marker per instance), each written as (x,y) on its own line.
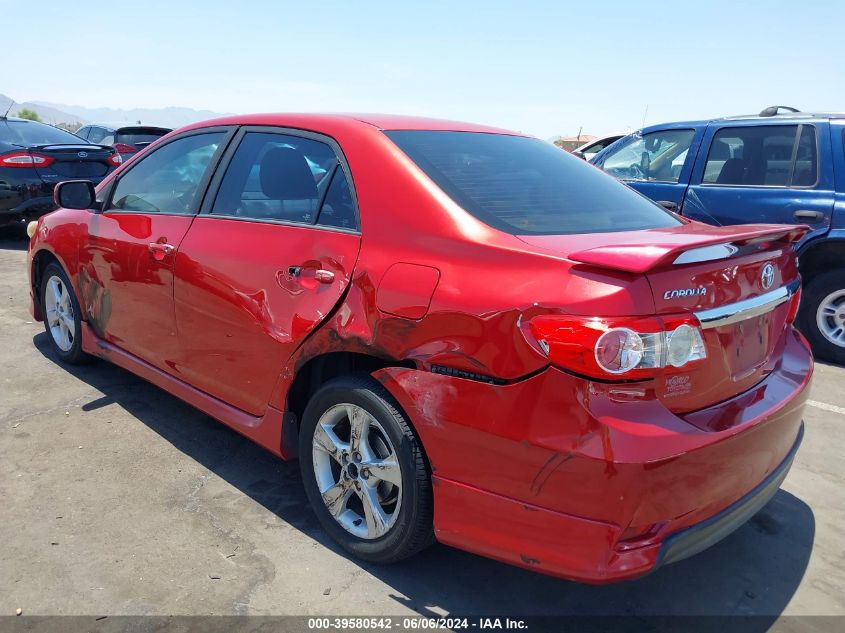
(524,470)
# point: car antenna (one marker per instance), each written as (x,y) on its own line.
(6,113)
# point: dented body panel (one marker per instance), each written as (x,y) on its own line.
(532,464)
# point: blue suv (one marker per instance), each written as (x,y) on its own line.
(781,166)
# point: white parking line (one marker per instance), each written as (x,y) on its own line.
(826,406)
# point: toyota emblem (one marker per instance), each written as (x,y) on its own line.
(83,154)
(767,277)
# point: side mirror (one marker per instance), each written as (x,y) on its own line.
(75,194)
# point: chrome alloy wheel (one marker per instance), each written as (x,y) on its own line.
(831,317)
(59,313)
(357,471)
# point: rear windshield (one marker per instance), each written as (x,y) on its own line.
(138,137)
(28,133)
(525,186)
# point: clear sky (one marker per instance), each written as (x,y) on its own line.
(545,68)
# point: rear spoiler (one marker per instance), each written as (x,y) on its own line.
(688,247)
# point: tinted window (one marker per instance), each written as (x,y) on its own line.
(167,180)
(763,155)
(657,156)
(29,133)
(138,137)
(275,177)
(338,208)
(526,186)
(83,132)
(97,134)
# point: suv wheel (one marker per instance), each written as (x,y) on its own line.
(62,315)
(822,315)
(364,471)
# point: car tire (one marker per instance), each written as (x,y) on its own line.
(62,316)
(377,505)
(821,317)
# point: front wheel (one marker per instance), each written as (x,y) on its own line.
(822,315)
(364,471)
(62,315)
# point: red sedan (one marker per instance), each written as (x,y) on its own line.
(464,334)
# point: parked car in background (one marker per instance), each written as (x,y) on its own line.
(126,139)
(588,150)
(785,167)
(524,358)
(34,157)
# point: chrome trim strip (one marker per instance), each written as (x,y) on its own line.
(747,308)
(706,254)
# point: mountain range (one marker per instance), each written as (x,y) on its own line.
(55,113)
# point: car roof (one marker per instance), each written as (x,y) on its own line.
(327,122)
(127,125)
(750,119)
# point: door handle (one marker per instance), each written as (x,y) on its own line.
(805,215)
(161,250)
(668,205)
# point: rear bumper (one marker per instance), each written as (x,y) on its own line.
(597,482)
(699,537)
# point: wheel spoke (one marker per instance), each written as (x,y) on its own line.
(68,321)
(64,341)
(327,441)
(52,317)
(57,291)
(385,470)
(374,515)
(336,497)
(359,428)
(829,310)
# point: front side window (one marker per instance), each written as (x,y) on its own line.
(654,157)
(525,186)
(168,179)
(763,156)
(276,177)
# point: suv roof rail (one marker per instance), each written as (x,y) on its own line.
(773,110)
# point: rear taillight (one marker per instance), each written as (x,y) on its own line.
(115,159)
(794,303)
(25,159)
(619,347)
(123,148)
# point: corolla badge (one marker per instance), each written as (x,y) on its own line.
(83,154)
(685,292)
(767,276)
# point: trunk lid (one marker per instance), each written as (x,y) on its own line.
(737,279)
(74,162)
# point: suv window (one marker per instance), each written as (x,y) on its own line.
(655,157)
(276,177)
(763,156)
(97,134)
(525,186)
(167,180)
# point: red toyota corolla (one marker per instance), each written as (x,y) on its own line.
(462,333)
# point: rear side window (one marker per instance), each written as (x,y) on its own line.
(653,157)
(168,179)
(97,134)
(525,186)
(763,156)
(31,133)
(280,177)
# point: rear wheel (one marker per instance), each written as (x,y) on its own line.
(364,471)
(62,315)
(822,315)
